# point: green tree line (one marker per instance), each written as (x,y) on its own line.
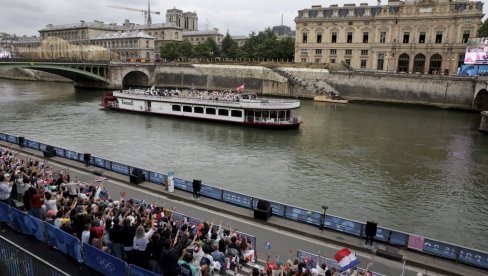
(264,45)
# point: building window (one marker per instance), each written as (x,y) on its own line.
(332,60)
(348,61)
(223,112)
(304,60)
(348,52)
(363,64)
(304,37)
(465,36)
(381,62)
(317,60)
(365,37)
(406,37)
(236,113)
(305,24)
(382,37)
(319,24)
(366,23)
(422,37)
(210,111)
(318,51)
(349,37)
(334,37)
(333,52)
(438,37)
(303,51)
(349,23)
(319,38)
(364,52)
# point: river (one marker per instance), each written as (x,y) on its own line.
(415,169)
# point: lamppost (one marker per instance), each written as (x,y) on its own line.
(448,61)
(387,57)
(52,54)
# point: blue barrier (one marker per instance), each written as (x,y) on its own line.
(11,139)
(103,262)
(5,215)
(311,260)
(120,168)
(158,178)
(137,271)
(441,249)
(71,155)
(237,199)
(211,192)
(28,225)
(64,242)
(343,225)
(303,215)
(99,162)
(32,144)
(60,152)
(445,250)
(473,257)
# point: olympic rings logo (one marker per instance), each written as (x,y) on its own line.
(106,265)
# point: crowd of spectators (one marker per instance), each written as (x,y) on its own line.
(139,233)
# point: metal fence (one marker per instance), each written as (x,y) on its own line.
(468,256)
(16,261)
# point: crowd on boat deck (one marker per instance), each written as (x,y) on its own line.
(225,95)
(137,232)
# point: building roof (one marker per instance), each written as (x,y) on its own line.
(134,34)
(93,25)
(202,32)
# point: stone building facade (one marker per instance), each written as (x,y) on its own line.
(198,37)
(133,45)
(188,21)
(419,36)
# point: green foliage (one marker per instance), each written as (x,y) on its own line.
(266,45)
(175,49)
(207,49)
(483,30)
(229,47)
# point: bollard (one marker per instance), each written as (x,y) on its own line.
(484,122)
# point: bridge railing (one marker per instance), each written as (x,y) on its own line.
(57,61)
(465,255)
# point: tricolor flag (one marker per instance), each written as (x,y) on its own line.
(346,259)
(267,245)
(240,88)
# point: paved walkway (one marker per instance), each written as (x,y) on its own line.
(284,235)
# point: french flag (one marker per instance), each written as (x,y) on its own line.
(346,259)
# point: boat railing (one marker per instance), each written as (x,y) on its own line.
(291,120)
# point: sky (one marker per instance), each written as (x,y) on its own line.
(27,17)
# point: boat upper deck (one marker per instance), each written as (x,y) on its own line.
(211,98)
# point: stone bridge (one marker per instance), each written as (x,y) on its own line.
(470,93)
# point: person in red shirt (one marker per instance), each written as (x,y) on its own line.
(36,200)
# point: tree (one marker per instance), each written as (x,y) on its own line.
(229,47)
(176,49)
(483,30)
(207,49)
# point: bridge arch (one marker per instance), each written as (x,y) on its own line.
(481,100)
(136,78)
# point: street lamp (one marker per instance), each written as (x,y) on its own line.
(448,61)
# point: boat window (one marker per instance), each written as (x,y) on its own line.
(198,109)
(281,114)
(257,114)
(265,114)
(186,108)
(176,107)
(236,113)
(210,110)
(223,112)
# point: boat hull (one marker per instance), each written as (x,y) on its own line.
(266,125)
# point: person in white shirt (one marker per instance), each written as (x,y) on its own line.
(141,239)
(5,188)
(50,202)
(85,235)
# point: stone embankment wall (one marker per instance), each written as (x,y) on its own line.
(31,75)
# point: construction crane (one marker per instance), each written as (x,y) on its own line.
(147,18)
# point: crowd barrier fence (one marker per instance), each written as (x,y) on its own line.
(18,261)
(409,241)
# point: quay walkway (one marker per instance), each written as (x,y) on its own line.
(284,235)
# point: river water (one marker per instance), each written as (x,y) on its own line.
(414,169)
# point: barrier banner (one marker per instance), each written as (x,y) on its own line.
(440,249)
(177,217)
(211,192)
(343,225)
(60,152)
(103,262)
(42,147)
(120,168)
(71,155)
(156,177)
(5,215)
(303,215)
(3,137)
(398,238)
(33,144)
(278,209)
(28,225)
(137,271)
(415,242)
(181,184)
(237,199)
(473,257)
(99,162)
(12,139)
(311,259)
(64,242)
